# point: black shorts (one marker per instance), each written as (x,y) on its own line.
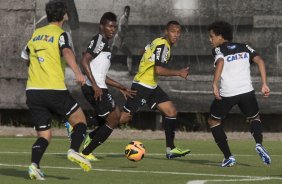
(103,107)
(144,95)
(43,103)
(246,102)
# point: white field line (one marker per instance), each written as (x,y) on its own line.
(210,92)
(232,180)
(149,172)
(150,154)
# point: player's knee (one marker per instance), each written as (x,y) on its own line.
(255,119)
(113,120)
(255,124)
(125,118)
(213,122)
(77,117)
(172,113)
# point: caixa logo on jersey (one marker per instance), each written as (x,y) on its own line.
(237,56)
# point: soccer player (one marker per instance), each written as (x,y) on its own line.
(96,62)
(232,63)
(118,42)
(154,63)
(46,91)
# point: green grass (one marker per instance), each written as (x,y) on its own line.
(113,167)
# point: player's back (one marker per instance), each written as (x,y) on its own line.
(46,70)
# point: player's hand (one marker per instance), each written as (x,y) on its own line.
(79,77)
(216,92)
(265,90)
(97,93)
(184,73)
(128,93)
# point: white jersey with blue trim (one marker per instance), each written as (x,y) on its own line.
(236,75)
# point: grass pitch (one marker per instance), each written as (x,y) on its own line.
(200,167)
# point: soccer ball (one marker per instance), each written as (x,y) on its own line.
(135,151)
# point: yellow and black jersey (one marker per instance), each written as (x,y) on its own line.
(156,54)
(47,68)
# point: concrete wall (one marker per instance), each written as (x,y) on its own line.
(16,27)
(147,20)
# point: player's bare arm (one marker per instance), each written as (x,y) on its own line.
(87,69)
(162,71)
(70,58)
(217,74)
(125,91)
(264,88)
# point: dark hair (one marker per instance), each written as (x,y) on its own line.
(172,22)
(108,16)
(222,28)
(126,7)
(55,10)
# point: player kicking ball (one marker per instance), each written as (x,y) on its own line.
(232,63)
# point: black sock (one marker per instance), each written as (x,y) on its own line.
(256,131)
(95,120)
(78,135)
(169,127)
(38,149)
(221,140)
(101,135)
(92,134)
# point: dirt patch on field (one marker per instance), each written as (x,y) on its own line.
(140,134)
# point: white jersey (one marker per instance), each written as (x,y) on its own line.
(236,75)
(101,63)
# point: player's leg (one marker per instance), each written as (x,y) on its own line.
(78,122)
(63,104)
(133,104)
(218,110)
(249,107)
(92,119)
(38,149)
(106,109)
(40,118)
(169,122)
(159,99)
(102,133)
(169,111)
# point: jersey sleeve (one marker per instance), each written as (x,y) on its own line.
(96,46)
(161,54)
(217,53)
(64,41)
(25,53)
(252,52)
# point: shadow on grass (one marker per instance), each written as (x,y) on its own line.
(23,174)
(99,156)
(193,161)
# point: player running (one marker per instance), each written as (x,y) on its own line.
(46,91)
(232,68)
(96,62)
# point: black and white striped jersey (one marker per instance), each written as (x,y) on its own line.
(100,50)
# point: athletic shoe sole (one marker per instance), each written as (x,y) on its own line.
(82,162)
(174,155)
